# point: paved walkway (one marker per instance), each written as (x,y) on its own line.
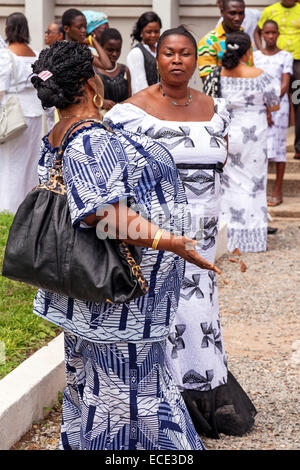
(260,310)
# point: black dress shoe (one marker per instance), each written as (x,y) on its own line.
(272,230)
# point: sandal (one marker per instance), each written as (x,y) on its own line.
(274,201)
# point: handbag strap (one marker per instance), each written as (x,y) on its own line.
(14,68)
(58,164)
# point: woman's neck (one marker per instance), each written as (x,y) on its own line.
(179,92)
(21,49)
(152,48)
(79,112)
(270,50)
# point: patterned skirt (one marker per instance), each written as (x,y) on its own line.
(119,396)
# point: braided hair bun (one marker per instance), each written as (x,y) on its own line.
(237,44)
(71,65)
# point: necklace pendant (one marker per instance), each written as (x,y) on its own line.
(174,103)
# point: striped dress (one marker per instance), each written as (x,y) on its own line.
(119,395)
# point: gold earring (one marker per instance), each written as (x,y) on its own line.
(97,105)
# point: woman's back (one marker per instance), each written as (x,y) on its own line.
(249,93)
(29,101)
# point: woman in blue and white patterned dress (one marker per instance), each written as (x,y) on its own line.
(119,394)
(249,93)
(193,127)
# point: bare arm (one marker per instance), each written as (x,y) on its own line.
(127,225)
(257,38)
(129,82)
(285,84)
(102,61)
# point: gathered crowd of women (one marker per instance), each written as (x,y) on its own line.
(150,374)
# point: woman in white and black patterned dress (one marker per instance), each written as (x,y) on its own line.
(195,350)
(249,93)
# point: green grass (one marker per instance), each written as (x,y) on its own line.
(21,331)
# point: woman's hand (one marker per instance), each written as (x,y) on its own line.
(185,248)
(108,104)
(270,119)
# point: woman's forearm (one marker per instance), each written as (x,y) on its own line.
(257,38)
(104,61)
(120,222)
(285,84)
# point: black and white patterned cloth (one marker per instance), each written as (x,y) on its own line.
(195,348)
(244,181)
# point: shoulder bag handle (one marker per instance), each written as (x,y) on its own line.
(58,164)
(14,68)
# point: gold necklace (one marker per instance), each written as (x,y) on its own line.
(174,103)
(80,116)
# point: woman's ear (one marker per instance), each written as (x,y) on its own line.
(93,85)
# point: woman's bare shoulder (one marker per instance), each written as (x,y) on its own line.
(142,97)
(202,98)
(255,72)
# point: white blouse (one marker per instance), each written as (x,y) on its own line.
(136,65)
(188,142)
(31,105)
(275,65)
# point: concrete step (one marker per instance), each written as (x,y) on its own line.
(290,208)
(290,187)
(292,165)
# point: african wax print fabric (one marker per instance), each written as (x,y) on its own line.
(120,396)
(211,49)
(195,348)
(101,168)
(244,181)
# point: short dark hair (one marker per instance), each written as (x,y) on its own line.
(226,2)
(271,22)
(69,16)
(181,31)
(240,43)
(108,34)
(71,64)
(144,19)
(17,28)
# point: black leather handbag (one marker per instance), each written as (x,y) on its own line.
(44,249)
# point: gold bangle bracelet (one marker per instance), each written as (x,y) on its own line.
(157,237)
(90,40)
